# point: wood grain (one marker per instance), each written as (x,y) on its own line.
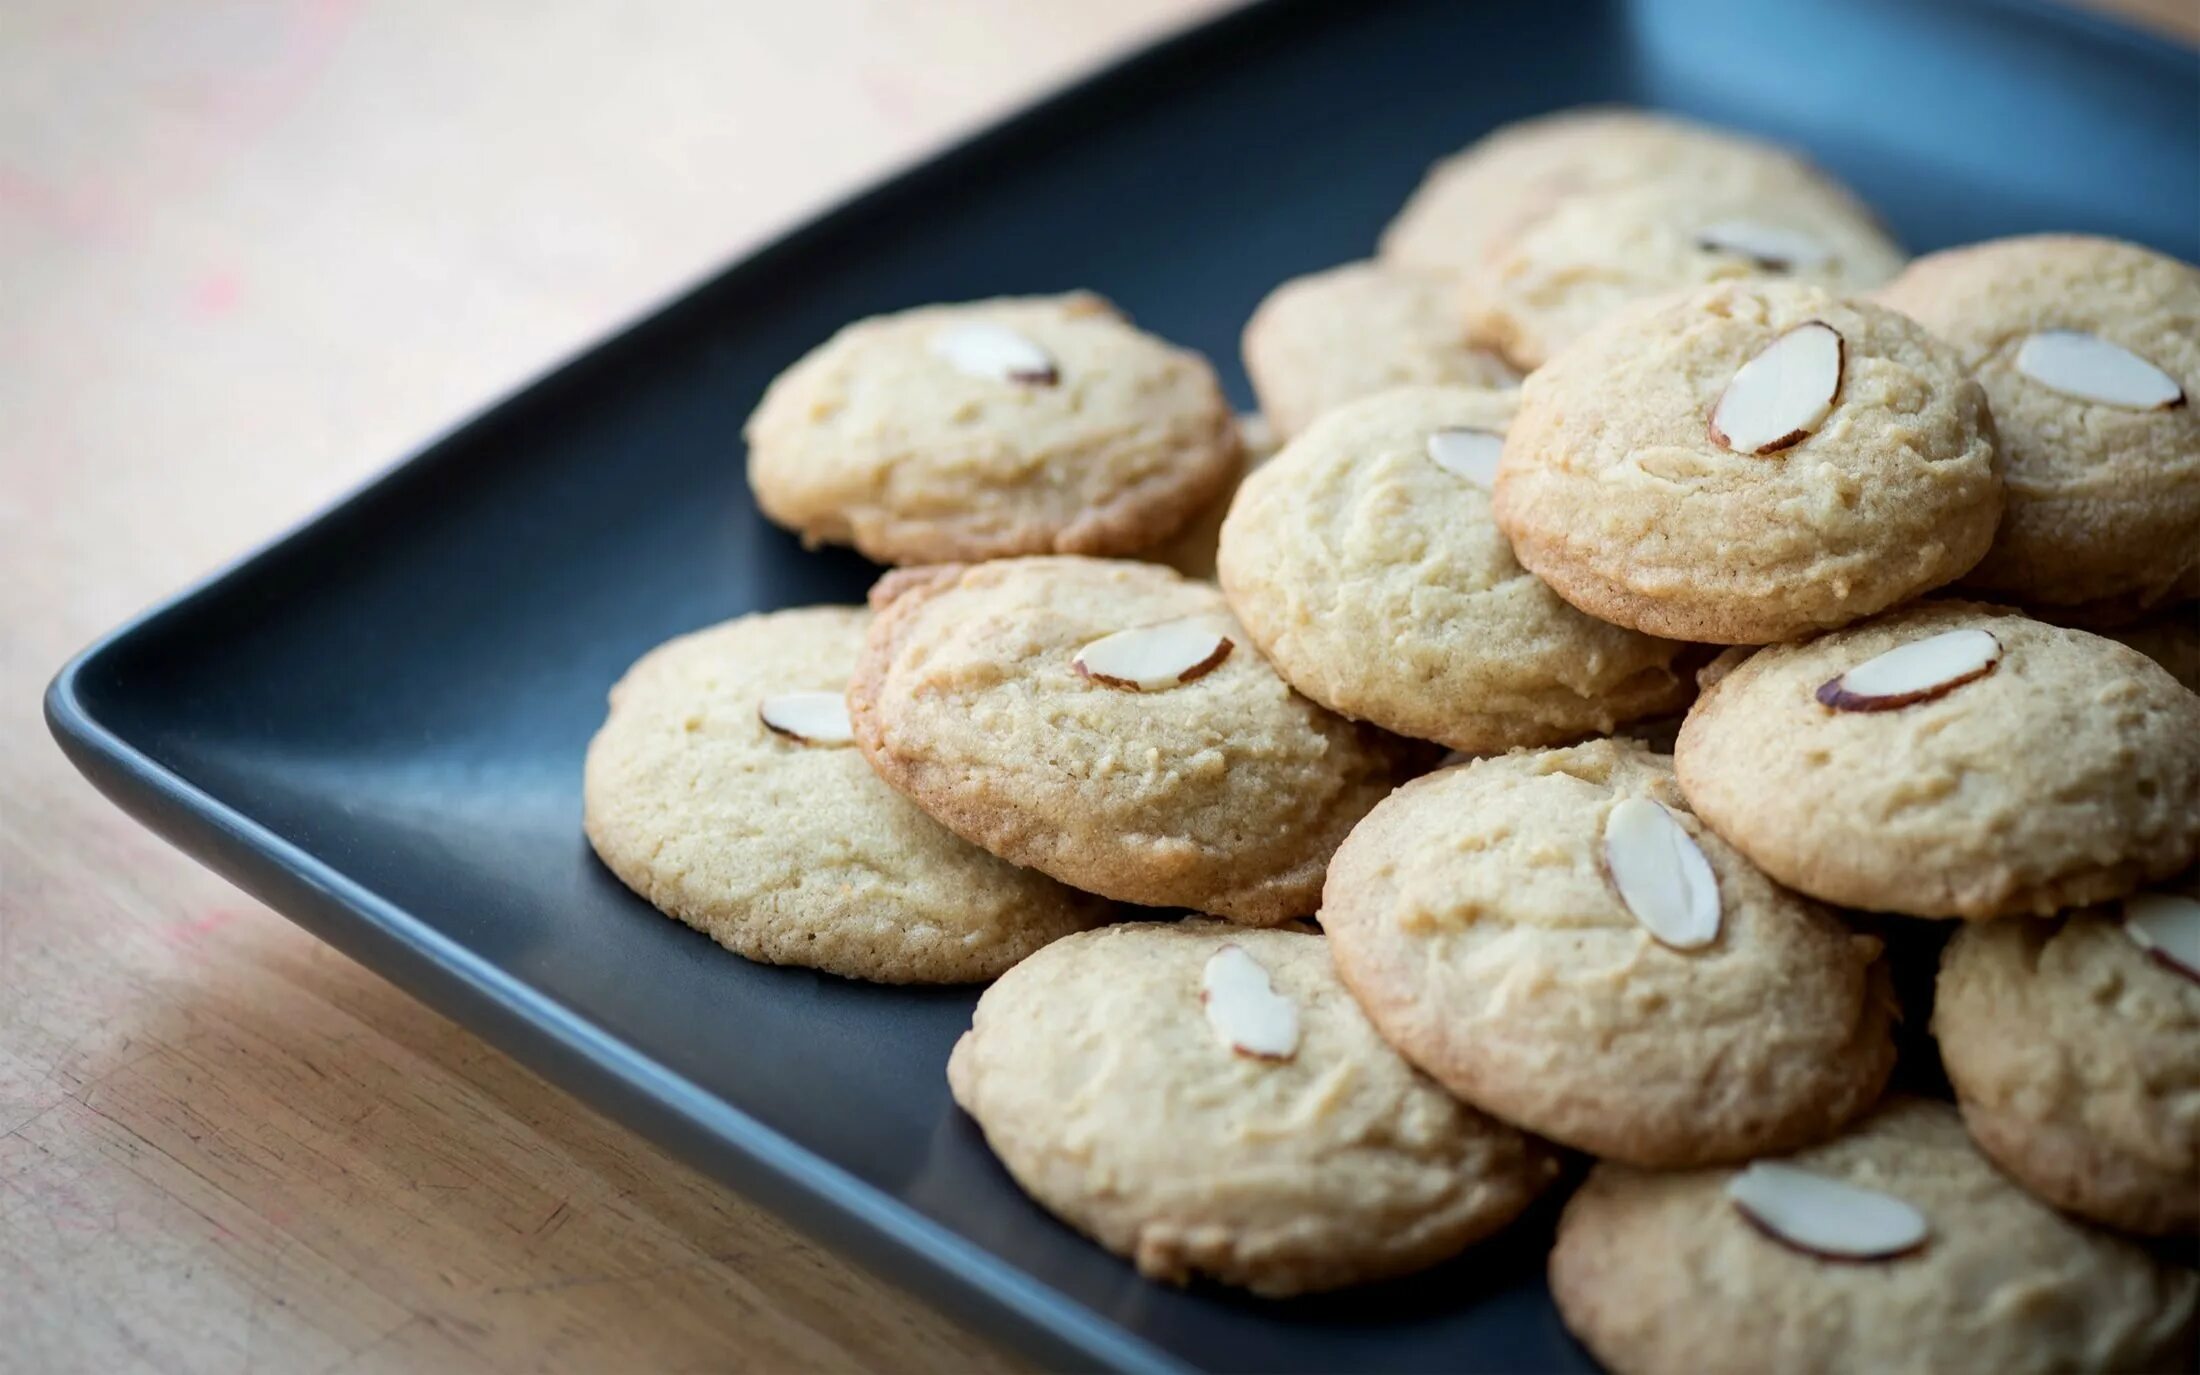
(247,252)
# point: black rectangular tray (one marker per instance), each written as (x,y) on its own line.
(377,724)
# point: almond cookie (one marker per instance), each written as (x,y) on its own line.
(1208,1101)
(1109,724)
(1896,1248)
(1601,250)
(1365,564)
(2074,1048)
(724,788)
(1749,462)
(1191,550)
(1950,760)
(1322,340)
(2171,640)
(1555,939)
(1012,426)
(1476,200)
(2089,350)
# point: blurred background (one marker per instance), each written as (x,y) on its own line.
(250,253)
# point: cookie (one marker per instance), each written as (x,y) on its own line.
(781,845)
(1108,723)
(1191,550)
(1322,340)
(1726,1272)
(1014,426)
(1553,937)
(1995,766)
(2171,640)
(1365,564)
(1476,200)
(1207,1101)
(1602,250)
(1747,463)
(2075,1055)
(2089,350)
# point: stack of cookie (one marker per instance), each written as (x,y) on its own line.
(1628,419)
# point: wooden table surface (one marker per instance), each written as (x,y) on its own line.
(250,249)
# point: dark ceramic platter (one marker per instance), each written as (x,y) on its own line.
(377,724)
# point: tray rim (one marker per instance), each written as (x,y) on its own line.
(859,1223)
(824,1202)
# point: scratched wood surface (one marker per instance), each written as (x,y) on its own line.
(248,251)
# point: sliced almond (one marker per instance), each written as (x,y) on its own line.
(2166,926)
(1152,658)
(1243,1007)
(1915,672)
(1827,1217)
(1783,394)
(1661,874)
(814,718)
(982,348)
(1768,245)
(1468,453)
(2091,368)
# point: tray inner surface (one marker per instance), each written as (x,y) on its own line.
(406,691)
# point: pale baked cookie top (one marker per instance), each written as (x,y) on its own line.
(1475,200)
(1331,337)
(1601,250)
(1191,550)
(1207,1100)
(786,848)
(1012,426)
(1664,1274)
(2003,766)
(2075,1054)
(1749,462)
(1110,723)
(1478,915)
(1366,565)
(2089,350)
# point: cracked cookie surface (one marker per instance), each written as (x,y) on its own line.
(1616,490)
(1475,917)
(791,852)
(1225,792)
(1100,1080)
(1659,1273)
(2067,774)
(1022,425)
(1377,581)
(2075,1056)
(2103,499)
(1320,341)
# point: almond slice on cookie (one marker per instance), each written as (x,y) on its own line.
(982,348)
(1780,397)
(1243,1007)
(1154,658)
(1827,1217)
(1466,452)
(2166,926)
(814,718)
(2093,369)
(1769,246)
(1661,874)
(1916,672)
